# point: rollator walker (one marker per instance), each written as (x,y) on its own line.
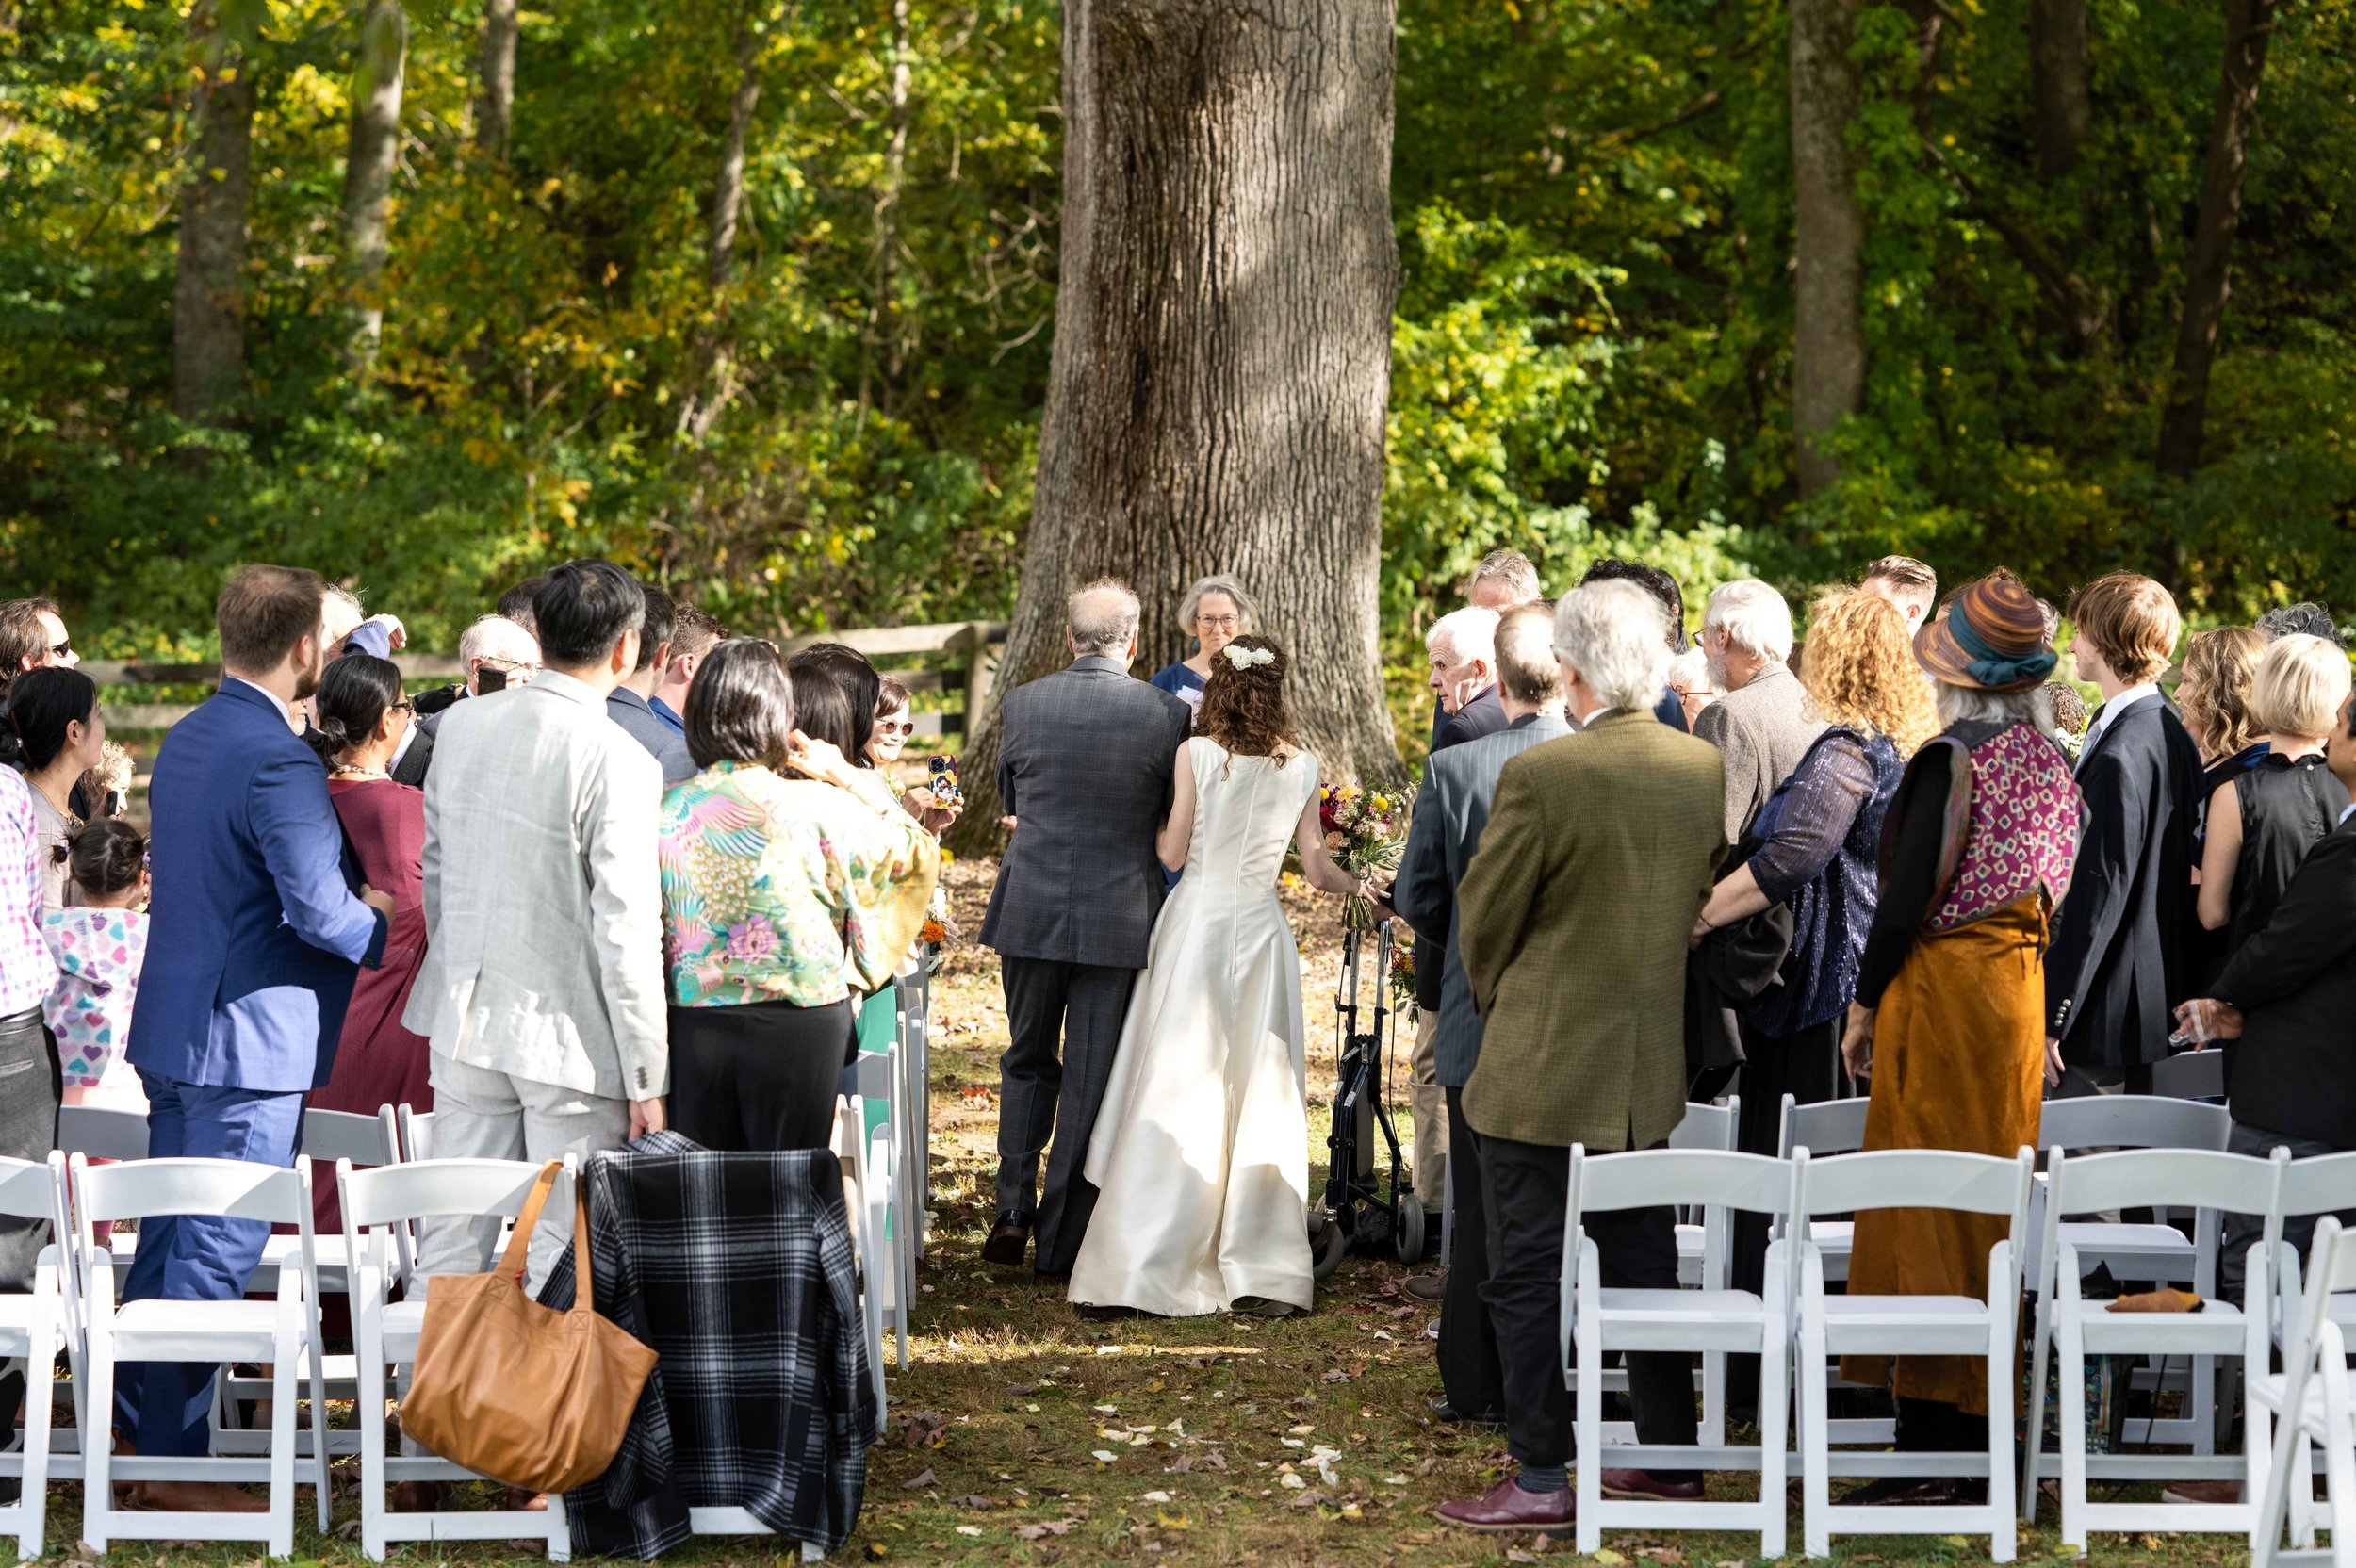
(1358,1215)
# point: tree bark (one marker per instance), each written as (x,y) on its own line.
(1828,240)
(2249,26)
(2060,72)
(208,290)
(1221,364)
(371,146)
(495,99)
(884,332)
(727,190)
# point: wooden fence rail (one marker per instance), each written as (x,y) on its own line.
(970,647)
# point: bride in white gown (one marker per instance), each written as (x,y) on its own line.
(1201,1150)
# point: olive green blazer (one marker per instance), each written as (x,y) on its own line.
(1571,922)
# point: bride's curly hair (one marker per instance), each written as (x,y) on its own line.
(1243,707)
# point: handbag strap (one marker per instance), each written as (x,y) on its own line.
(512,1261)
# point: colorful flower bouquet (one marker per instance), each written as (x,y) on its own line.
(1402,976)
(1365,834)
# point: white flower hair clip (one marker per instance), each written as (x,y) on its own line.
(1244,659)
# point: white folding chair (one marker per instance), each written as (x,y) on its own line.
(2271,1290)
(378,1206)
(2069,1329)
(36,1327)
(1828,1127)
(1850,1324)
(1596,1320)
(284,1333)
(885,1260)
(2152,1249)
(102,1132)
(1705,1255)
(2190,1075)
(2310,1402)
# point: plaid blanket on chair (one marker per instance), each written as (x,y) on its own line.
(738,1269)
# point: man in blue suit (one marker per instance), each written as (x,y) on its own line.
(260,923)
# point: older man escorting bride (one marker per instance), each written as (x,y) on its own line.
(1187,1142)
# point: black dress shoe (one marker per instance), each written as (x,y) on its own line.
(1442,1410)
(1006,1242)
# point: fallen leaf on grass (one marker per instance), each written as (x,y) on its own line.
(969,1530)
(1103,1456)
(1607,1557)
(977,1504)
(1174,1521)
(919,1483)
(1046,1527)
(1311,1499)
(1292,1482)
(1515,1554)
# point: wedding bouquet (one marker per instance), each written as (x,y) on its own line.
(1365,834)
(1404,977)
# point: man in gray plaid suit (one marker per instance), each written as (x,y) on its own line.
(1085,761)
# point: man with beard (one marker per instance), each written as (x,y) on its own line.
(259,928)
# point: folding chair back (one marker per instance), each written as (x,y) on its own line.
(100,1132)
(1648,1178)
(228,1189)
(2133,1121)
(392,1198)
(365,1140)
(2320,1185)
(1913,1179)
(416,1133)
(2176,1178)
(1707,1126)
(1828,1127)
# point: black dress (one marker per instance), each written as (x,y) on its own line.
(2204,950)
(2288,804)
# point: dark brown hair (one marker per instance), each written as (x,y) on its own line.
(891,696)
(104,856)
(1244,708)
(264,610)
(739,706)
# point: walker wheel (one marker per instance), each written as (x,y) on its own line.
(1407,1228)
(1329,1246)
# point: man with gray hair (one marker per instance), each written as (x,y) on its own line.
(1085,760)
(494,653)
(1463,650)
(1570,926)
(1762,723)
(1458,787)
(1503,580)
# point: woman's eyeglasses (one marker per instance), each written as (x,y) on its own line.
(902,728)
(1218,622)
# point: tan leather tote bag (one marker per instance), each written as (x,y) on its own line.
(519,1392)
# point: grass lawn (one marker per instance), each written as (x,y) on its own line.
(1023,1434)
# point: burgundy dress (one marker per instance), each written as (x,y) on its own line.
(377,1062)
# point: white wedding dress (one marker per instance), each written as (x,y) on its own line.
(1200,1152)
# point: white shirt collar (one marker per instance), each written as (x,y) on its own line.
(401,750)
(2119,705)
(286,711)
(2348,811)
(1588,718)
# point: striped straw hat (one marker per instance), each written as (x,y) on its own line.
(1991,639)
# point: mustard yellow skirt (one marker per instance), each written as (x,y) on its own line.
(1959,1062)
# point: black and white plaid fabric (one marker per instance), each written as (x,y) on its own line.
(738,1269)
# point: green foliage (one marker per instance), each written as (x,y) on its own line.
(838,428)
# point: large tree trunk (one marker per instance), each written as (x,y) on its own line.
(372,144)
(885,337)
(208,291)
(717,384)
(1828,240)
(2249,25)
(1222,361)
(2058,76)
(495,100)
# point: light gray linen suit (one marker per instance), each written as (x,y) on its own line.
(542,992)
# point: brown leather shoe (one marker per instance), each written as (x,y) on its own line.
(199,1497)
(1427,1287)
(1006,1242)
(1643,1486)
(1505,1508)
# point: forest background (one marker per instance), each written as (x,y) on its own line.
(759,298)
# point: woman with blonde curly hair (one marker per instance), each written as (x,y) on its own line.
(1200,1155)
(1810,853)
(2215,695)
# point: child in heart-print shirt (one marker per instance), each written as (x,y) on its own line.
(100,944)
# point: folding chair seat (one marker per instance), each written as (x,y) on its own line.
(2152,1249)
(378,1206)
(1830,1326)
(2070,1328)
(35,1328)
(284,1333)
(2310,1402)
(1597,1320)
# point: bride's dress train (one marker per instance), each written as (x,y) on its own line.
(1201,1150)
